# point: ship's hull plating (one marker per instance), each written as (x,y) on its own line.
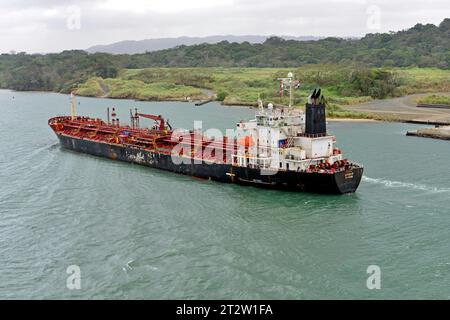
(332,183)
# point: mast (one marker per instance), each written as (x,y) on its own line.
(287,84)
(72,106)
(290,75)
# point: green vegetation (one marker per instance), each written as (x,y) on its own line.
(434,99)
(415,80)
(349,71)
(139,90)
(221,96)
(140,85)
(421,46)
(91,88)
(53,72)
(341,85)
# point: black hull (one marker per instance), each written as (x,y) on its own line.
(336,183)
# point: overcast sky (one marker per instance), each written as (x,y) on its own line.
(55,25)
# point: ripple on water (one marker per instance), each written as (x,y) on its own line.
(405,185)
(136,232)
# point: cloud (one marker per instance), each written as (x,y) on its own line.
(49,25)
(162,6)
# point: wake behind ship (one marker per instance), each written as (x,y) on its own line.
(282,148)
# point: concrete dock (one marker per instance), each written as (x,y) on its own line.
(442,133)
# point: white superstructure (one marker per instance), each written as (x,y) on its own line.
(276,140)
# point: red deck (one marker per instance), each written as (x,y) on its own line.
(162,140)
(156,140)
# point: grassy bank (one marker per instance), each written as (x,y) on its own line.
(434,99)
(342,86)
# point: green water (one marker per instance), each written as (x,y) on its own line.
(137,232)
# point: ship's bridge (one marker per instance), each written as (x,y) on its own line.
(280,118)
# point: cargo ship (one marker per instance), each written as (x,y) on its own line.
(282,148)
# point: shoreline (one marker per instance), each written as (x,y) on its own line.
(254,106)
(353,120)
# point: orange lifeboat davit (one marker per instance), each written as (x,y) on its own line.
(245,141)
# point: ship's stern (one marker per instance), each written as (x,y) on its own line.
(347,181)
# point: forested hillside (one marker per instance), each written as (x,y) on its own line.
(421,46)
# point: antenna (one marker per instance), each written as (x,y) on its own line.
(136,118)
(72,105)
(260,103)
(287,84)
(132,119)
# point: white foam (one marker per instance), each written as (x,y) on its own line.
(405,185)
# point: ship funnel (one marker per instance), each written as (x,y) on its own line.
(316,122)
